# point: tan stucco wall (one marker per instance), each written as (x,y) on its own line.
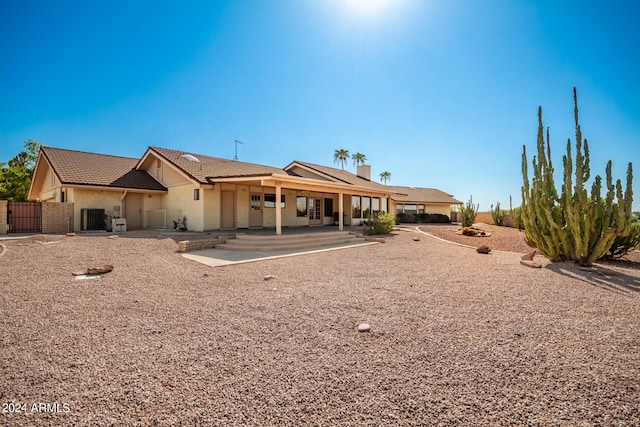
(165,174)
(211,206)
(181,198)
(93,199)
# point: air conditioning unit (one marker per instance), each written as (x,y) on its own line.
(92,220)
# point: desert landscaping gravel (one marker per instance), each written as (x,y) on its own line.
(455,338)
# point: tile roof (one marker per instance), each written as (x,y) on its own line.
(82,168)
(340,175)
(209,168)
(424,195)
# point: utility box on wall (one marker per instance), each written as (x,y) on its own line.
(118,225)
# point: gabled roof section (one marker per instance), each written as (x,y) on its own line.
(103,170)
(206,168)
(339,175)
(423,195)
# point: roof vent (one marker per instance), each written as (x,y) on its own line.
(190,158)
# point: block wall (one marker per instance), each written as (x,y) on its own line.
(4,227)
(57,218)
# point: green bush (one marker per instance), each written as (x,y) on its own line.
(381,223)
(469,231)
(433,218)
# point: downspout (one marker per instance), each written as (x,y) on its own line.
(122,206)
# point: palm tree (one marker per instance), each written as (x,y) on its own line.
(384,176)
(359,159)
(341,156)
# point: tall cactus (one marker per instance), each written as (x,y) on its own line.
(575,226)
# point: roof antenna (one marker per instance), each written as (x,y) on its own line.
(237,142)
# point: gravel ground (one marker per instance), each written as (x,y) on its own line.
(457,338)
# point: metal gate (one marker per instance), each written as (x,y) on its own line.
(24,217)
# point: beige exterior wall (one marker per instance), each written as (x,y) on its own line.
(4,227)
(93,199)
(438,209)
(180,198)
(211,205)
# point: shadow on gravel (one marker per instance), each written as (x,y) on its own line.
(598,275)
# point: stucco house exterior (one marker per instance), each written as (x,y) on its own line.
(211,193)
(417,200)
(217,194)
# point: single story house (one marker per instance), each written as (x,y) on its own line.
(217,194)
(416,200)
(211,193)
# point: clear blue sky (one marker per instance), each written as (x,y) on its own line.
(439,93)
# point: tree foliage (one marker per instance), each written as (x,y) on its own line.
(573,225)
(16,174)
(385,176)
(358,159)
(341,156)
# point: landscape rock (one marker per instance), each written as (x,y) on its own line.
(484,249)
(529,256)
(94,270)
(529,263)
(364,327)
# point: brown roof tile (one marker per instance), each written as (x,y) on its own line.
(424,195)
(82,168)
(208,168)
(340,175)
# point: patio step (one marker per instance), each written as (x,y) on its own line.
(285,242)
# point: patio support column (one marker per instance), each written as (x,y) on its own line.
(340,211)
(278,208)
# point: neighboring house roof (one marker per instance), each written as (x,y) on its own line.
(423,195)
(82,168)
(206,168)
(340,175)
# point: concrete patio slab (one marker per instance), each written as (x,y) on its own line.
(220,257)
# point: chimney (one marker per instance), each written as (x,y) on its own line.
(364,171)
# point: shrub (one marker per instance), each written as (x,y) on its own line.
(469,212)
(469,231)
(381,223)
(433,218)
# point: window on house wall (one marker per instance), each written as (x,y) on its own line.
(375,205)
(410,209)
(385,205)
(400,208)
(270,201)
(356,207)
(420,209)
(328,207)
(196,194)
(301,206)
(366,207)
